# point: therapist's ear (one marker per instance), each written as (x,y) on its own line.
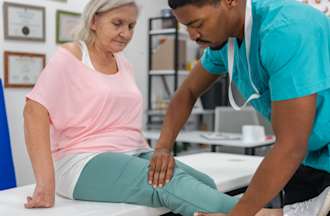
(232,3)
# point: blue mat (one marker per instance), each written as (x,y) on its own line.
(7,172)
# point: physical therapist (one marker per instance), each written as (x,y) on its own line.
(277,52)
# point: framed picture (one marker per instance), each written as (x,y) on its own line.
(66,22)
(24,22)
(21,70)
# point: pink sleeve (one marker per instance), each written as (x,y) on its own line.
(51,84)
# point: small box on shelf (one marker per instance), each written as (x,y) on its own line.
(162,58)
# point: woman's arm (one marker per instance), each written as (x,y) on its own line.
(37,139)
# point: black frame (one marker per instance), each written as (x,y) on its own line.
(7,5)
(175,33)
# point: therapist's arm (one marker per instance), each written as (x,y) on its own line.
(37,139)
(292,122)
(162,162)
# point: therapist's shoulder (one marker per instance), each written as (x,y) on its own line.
(73,48)
(291,17)
(292,23)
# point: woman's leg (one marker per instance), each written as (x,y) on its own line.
(113,177)
(189,170)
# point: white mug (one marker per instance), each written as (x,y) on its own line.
(253,133)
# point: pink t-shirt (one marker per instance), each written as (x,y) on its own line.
(90,111)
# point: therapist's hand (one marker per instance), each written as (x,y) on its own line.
(161,167)
(43,197)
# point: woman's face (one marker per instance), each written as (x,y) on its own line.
(114,28)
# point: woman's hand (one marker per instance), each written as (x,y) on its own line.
(161,167)
(43,197)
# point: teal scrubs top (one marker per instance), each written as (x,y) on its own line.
(290,58)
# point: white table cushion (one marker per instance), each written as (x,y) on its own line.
(229,171)
(11,204)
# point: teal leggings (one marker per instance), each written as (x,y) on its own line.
(120,178)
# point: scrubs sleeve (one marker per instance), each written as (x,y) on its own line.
(213,61)
(297,60)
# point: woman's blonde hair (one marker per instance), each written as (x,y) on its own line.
(83,31)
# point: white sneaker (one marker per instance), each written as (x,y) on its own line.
(318,206)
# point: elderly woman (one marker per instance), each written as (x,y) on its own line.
(85,112)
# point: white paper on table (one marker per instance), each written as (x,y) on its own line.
(221,136)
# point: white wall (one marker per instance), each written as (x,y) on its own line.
(136,52)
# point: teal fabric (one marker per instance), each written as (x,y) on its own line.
(120,178)
(290,58)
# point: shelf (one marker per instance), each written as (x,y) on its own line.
(194,112)
(168,73)
(170,31)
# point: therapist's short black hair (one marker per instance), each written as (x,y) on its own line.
(174,4)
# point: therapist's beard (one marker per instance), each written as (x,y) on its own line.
(219,47)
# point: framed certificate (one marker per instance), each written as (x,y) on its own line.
(21,70)
(24,22)
(66,22)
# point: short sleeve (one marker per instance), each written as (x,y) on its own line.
(50,86)
(213,61)
(297,59)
